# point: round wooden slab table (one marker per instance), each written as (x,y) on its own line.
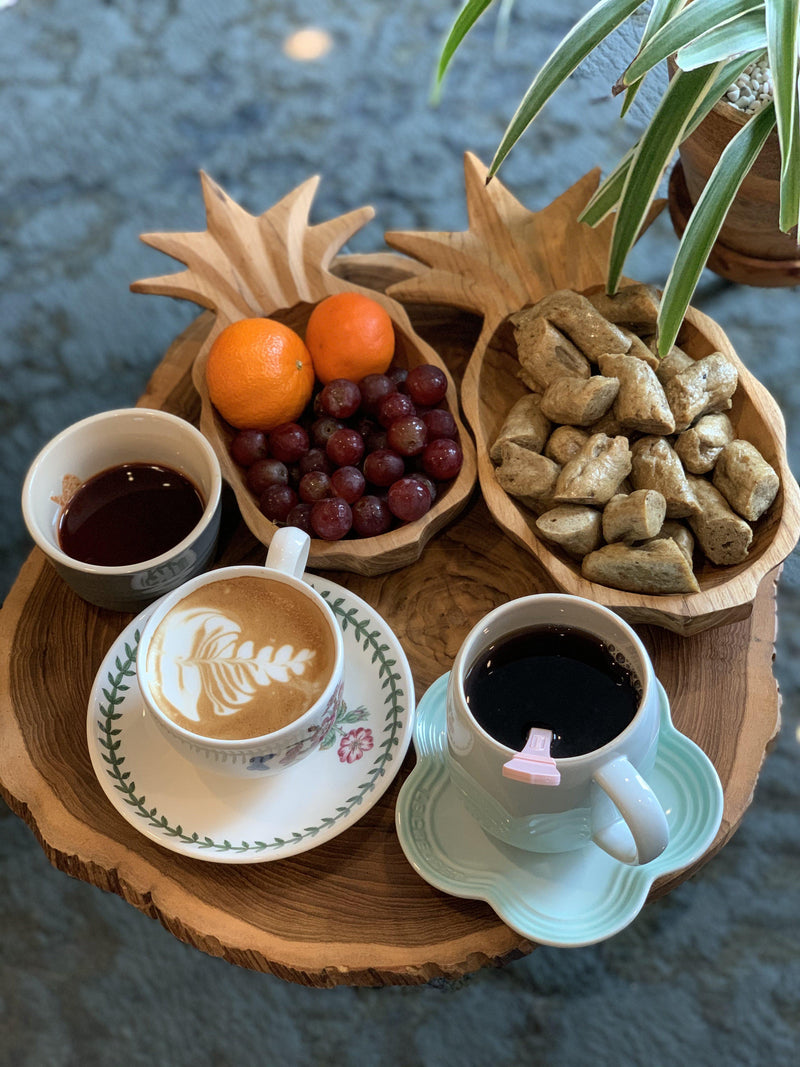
(351,911)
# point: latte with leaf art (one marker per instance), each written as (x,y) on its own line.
(240,658)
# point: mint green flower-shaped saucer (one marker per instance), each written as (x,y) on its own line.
(566,899)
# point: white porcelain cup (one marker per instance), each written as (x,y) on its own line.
(602,796)
(125,435)
(237,675)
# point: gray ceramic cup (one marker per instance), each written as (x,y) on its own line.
(125,435)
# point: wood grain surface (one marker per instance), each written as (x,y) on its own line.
(352,910)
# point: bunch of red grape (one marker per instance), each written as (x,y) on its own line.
(364,457)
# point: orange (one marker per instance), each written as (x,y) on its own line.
(259,374)
(349,335)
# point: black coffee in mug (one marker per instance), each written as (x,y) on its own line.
(557,678)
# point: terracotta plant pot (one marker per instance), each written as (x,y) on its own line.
(750,248)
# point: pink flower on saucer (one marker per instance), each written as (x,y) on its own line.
(354,744)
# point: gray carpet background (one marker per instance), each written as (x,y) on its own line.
(107,112)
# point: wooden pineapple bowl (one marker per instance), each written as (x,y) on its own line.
(277,265)
(511,257)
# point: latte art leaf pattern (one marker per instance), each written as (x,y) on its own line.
(209,663)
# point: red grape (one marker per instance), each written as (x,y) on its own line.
(249,446)
(288,442)
(315,485)
(409,499)
(373,389)
(345,447)
(340,398)
(398,376)
(277,501)
(371,516)
(383,467)
(264,473)
(394,406)
(440,423)
(364,425)
(426,481)
(426,384)
(306,473)
(324,428)
(407,435)
(442,459)
(300,516)
(315,459)
(331,518)
(348,483)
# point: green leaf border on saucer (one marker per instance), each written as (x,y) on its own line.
(111,740)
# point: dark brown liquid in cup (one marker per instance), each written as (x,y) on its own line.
(557,678)
(128,514)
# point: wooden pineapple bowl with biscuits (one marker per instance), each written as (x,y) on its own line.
(278,265)
(513,267)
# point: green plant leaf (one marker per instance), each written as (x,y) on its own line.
(790,178)
(656,147)
(608,193)
(782,34)
(503,19)
(660,13)
(706,221)
(582,39)
(694,20)
(743,34)
(465,20)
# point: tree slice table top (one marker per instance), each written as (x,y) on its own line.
(353,910)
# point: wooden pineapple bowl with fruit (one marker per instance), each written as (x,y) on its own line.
(510,258)
(276,265)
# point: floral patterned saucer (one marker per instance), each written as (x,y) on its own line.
(229,820)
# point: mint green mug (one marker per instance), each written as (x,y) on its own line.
(601,796)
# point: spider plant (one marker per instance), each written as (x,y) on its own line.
(712,42)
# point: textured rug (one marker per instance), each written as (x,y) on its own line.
(109,109)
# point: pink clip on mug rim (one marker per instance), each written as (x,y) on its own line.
(534,764)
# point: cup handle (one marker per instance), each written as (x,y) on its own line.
(643,833)
(288,551)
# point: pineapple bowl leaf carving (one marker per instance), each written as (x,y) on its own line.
(509,256)
(277,265)
(246,265)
